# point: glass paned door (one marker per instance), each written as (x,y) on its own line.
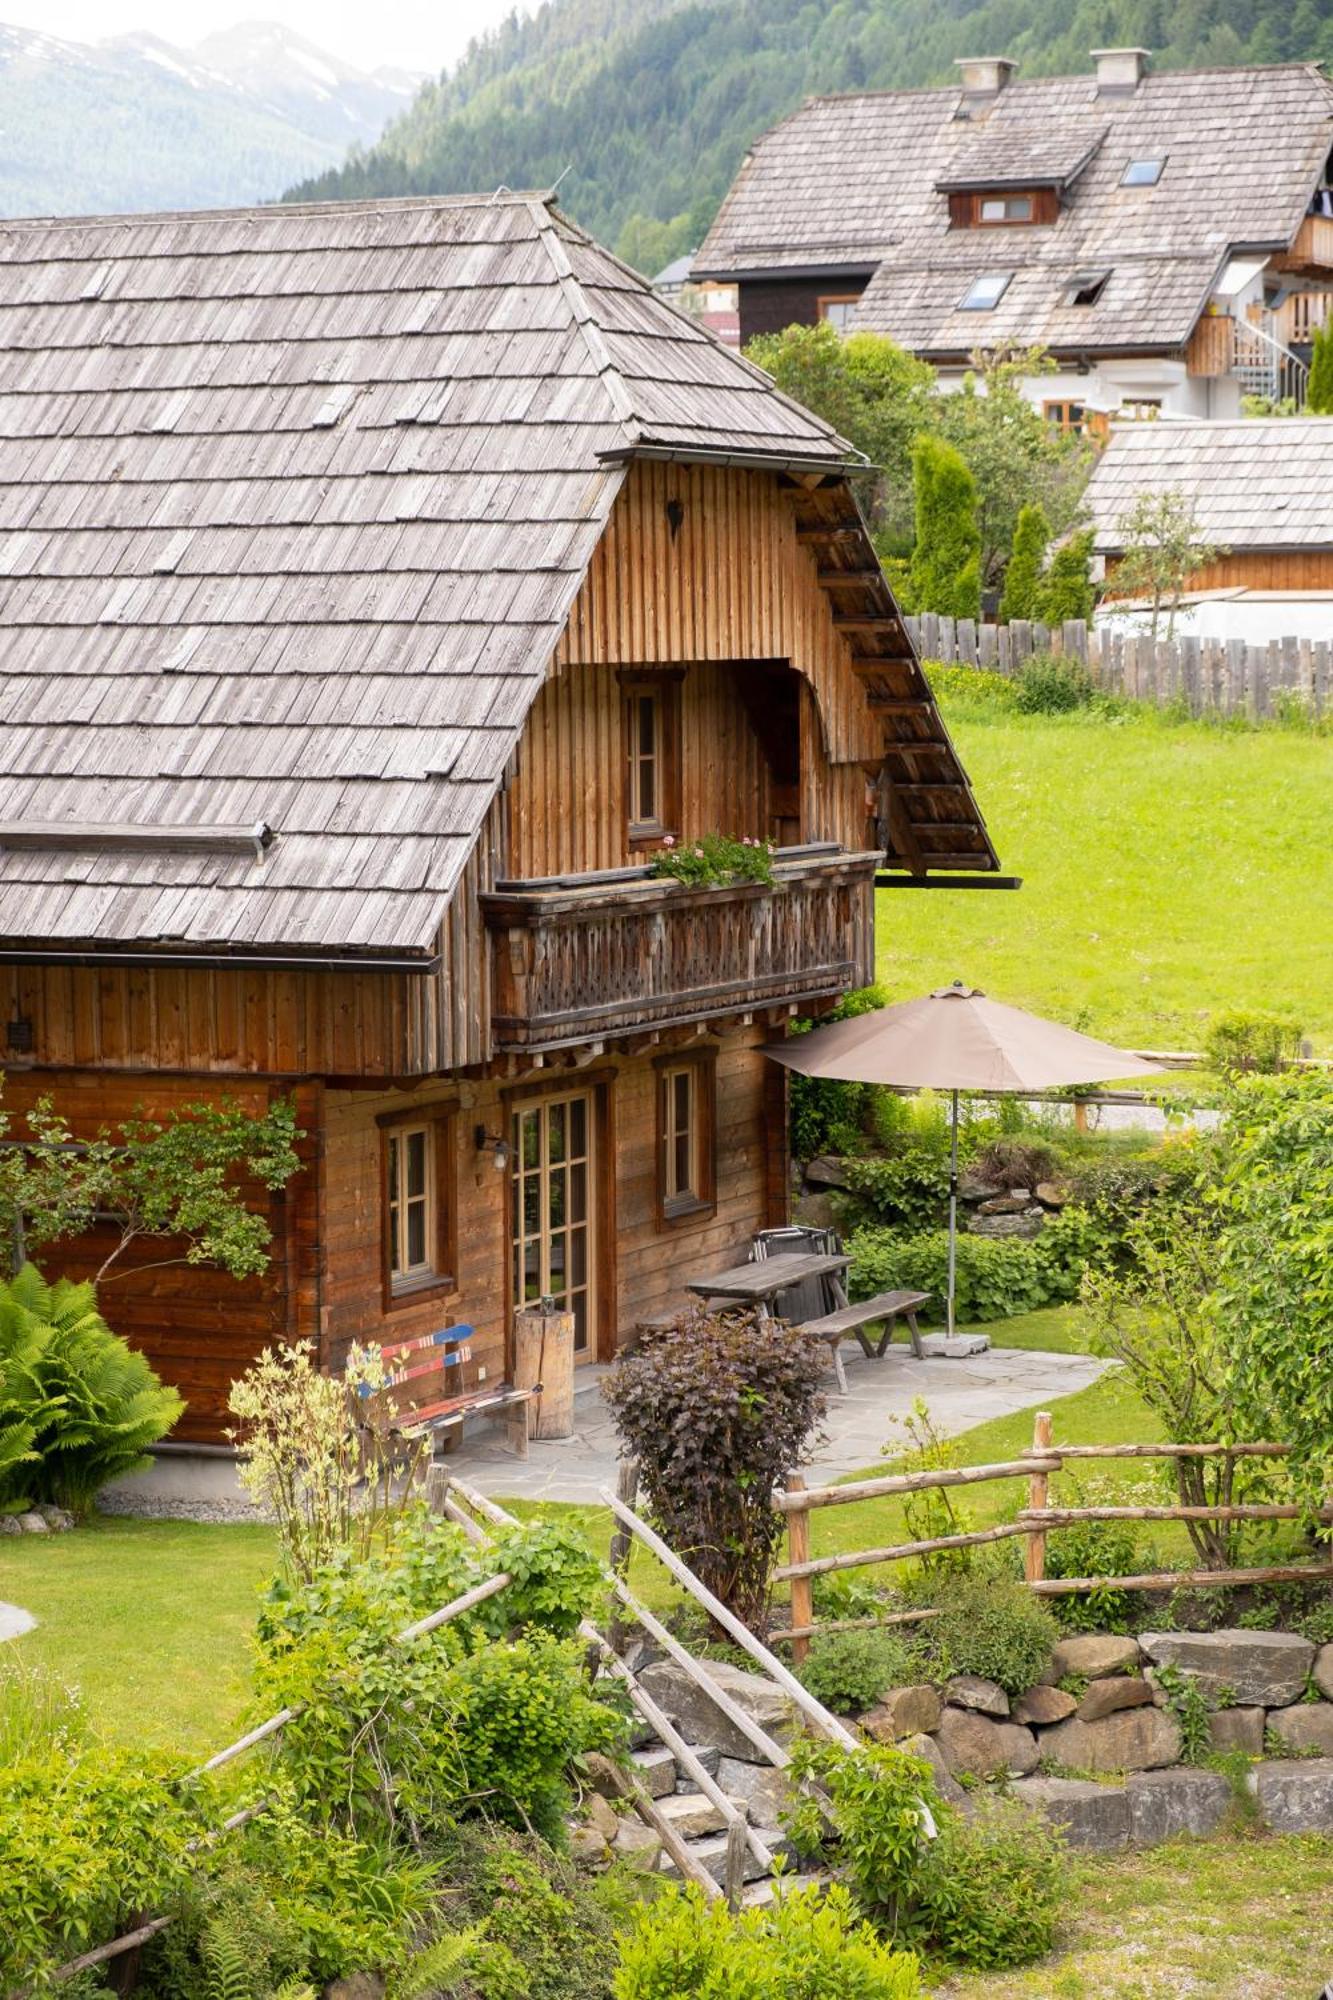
(553,1208)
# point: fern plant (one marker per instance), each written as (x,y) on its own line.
(439,1972)
(78,1407)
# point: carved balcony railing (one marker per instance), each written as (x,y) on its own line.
(587,957)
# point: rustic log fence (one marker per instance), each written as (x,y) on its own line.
(1206,676)
(1034,1522)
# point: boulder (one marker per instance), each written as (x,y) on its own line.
(1238,1729)
(816,1211)
(356,1986)
(1108,1696)
(1051,1195)
(1306,1729)
(693,1814)
(57,1519)
(711,1854)
(771,1890)
(908,1711)
(978,1190)
(602,1775)
(700,1720)
(1323,1672)
(1002,1225)
(655,1770)
(1044,1705)
(1135,1739)
(601,1816)
(1095,1817)
(9,1525)
(638,1845)
(1297,1797)
(709,1756)
(930,1753)
(972,1691)
(826,1171)
(588,1847)
(1266,1669)
(1093,1655)
(986,1749)
(1164,1804)
(762,1789)
(33,1524)
(1006,1204)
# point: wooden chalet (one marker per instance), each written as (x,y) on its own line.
(380,585)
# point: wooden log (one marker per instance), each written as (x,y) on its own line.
(1183,1579)
(734,1866)
(798,1552)
(1067,1451)
(863,1558)
(1064,1517)
(627,1486)
(544,1363)
(771,1751)
(909,1482)
(813,1711)
(855,1624)
(1034,1556)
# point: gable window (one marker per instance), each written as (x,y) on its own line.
(1077,418)
(838,309)
(686,1174)
(415,1157)
(1143,173)
(1140,410)
(1005,208)
(983,294)
(652,754)
(1086,287)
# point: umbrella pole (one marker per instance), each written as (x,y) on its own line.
(953,1210)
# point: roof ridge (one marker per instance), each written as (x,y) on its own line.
(622,403)
(274,211)
(1021,82)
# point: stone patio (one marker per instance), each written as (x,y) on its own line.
(960,1393)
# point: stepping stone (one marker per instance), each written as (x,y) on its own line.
(953,1347)
(14,1621)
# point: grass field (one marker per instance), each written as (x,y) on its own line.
(1170,871)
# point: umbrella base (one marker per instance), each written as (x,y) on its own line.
(953,1347)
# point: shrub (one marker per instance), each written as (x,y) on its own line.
(808,1945)
(1013,1160)
(1098,1548)
(91,1404)
(553,1925)
(967,685)
(1251,1041)
(718,1408)
(849,1671)
(944,574)
(985,1891)
(936,1511)
(827,1116)
(908,1189)
(1049,684)
(996,1277)
(714,860)
(1067,591)
(988,1625)
(1023,575)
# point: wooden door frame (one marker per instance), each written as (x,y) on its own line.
(599,1085)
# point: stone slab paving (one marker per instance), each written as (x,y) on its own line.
(960,1393)
(14,1621)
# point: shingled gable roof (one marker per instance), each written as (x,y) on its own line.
(293,506)
(856,183)
(1253,484)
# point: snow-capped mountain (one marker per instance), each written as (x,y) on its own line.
(135,122)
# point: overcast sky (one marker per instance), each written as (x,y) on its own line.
(419,34)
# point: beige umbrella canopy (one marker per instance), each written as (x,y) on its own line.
(957,1040)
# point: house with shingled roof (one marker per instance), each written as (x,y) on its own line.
(1167,237)
(383,586)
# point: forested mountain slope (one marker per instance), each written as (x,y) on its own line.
(646,107)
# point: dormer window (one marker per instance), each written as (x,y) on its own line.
(984,294)
(1006,208)
(1085,288)
(1143,173)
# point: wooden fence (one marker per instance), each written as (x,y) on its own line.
(1033,1523)
(1208,676)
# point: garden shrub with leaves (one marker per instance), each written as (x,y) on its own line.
(1239,1041)
(988,1624)
(850,1671)
(808,1945)
(715,861)
(906,1190)
(826,1116)
(996,1277)
(557,1927)
(1099,1548)
(986,1891)
(719,1409)
(82,1404)
(1049,684)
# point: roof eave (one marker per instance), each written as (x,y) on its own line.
(141,952)
(759,461)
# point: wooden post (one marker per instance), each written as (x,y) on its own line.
(802,1588)
(1038,1486)
(627,1490)
(544,1363)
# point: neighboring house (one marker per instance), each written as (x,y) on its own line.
(1261,491)
(1168,237)
(714,304)
(380,585)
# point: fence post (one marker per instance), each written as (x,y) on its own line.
(1038,1486)
(802,1587)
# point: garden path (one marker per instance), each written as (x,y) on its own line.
(960,1393)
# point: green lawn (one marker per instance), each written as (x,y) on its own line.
(1232,1919)
(1171,870)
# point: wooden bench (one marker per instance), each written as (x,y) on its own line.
(425,1386)
(889,1307)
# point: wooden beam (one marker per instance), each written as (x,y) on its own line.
(911,746)
(863,621)
(830,578)
(848,532)
(899,704)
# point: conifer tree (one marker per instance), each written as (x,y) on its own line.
(1023,580)
(1319,394)
(1066,590)
(945,571)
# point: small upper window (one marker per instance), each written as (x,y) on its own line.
(1142,173)
(1006,208)
(838,311)
(984,293)
(411,1219)
(652,744)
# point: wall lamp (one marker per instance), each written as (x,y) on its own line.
(493,1143)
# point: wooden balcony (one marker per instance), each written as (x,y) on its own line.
(590,957)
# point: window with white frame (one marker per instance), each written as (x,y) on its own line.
(984,293)
(685,1124)
(412,1222)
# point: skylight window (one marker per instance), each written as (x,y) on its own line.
(1143,173)
(1086,287)
(983,294)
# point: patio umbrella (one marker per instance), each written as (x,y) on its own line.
(957,1040)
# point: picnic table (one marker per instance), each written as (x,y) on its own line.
(761,1282)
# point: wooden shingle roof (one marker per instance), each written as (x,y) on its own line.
(1258,483)
(856,183)
(293,506)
